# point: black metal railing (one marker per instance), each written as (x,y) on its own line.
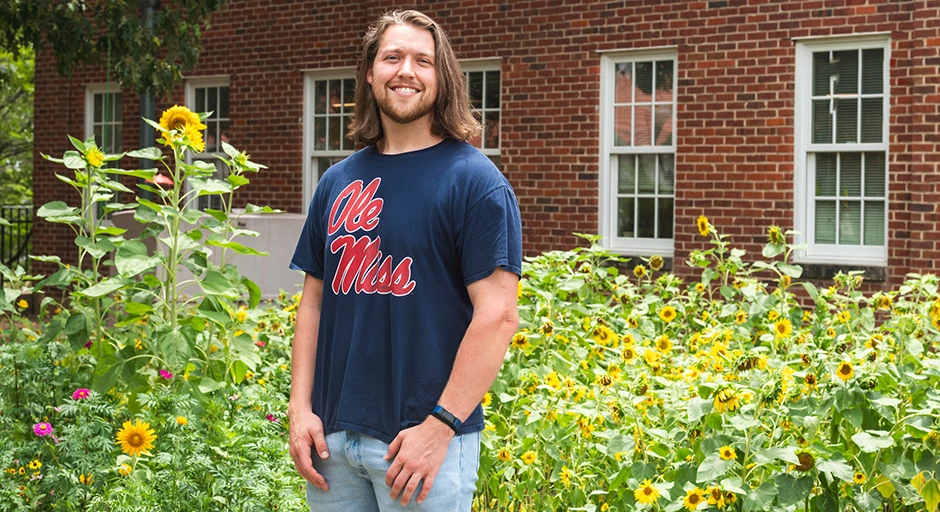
(16,239)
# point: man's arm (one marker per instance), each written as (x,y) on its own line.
(419,451)
(306,429)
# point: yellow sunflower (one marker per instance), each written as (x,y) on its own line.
(859,478)
(519,341)
(775,235)
(565,476)
(844,316)
(124,469)
(628,354)
(639,271)
(35,464)
(845,371)
(194,138)
(704,228)
(603,335)
(726,400)
(529,457)
(700,287)
(487,400)
(646,494)
(773,315)
(693,498)
(23,304)
(727,453)
(503,454)
(178,118)
(136,438)
(783,328)
(740,317)
(883,302)
(656,262)
(664,344)
(667,314)
(94,157)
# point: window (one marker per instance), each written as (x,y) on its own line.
(103,119)
(329,99)
(483,86)
(638,151)
(211,95)
(841,168)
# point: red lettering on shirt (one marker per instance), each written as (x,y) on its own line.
(361,210)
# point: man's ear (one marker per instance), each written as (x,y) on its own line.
(369,76)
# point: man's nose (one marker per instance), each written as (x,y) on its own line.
(407,67)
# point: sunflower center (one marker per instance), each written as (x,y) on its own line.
(694,499)
(648,490)
(135,440)
(845,370)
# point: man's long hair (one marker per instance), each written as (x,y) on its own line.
(452,116)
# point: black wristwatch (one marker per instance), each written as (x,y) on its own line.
(447,417)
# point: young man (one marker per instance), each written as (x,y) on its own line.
(413,250)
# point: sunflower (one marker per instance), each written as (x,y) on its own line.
(704,228)
(844,316)
(663,344)
(519,293)
(529,457)
(94,157)
(667,314)
(552,380)
(783,328)
(194,138)
(693,498)
(179,118)
(503,454)
(136,438)
(656,262)
(700,287)
(124,469)
(806,462)
(830,332)
(35,464)
(775,235)
(859,478)
(646,494)
(487,400)
(810,380)
(773,315)
(726,400)
(883,302)
(519,341)
(628,354)
(740,317)
(86,479)
(639,271)
(565,476)
(633,323)
(727,453)
(603,335)
(845,371)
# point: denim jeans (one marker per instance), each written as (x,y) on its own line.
(355,473)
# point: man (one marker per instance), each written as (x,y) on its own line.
(412,250)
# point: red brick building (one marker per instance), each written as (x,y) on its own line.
(627,118)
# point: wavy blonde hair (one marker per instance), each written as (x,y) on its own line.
(452,116)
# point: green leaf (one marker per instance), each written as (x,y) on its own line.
(218,215)
(207,385)
(209,186)
(743,424)
(236,180)
(76,328)
(792,490)
(244,349)
(254,292)
(105,287)
(772,251)
(58,211)
(869,443)
(760,498)
(110,230)
(250,208)
(175,348)
(73,160)
(150,153)
(4,222)
(237,247)
(137,308)
(712,468)
(698,407)
(793,271)
(51,159)
(216,284)
(229,149)
(835,467)
(146,174)
(931,495)
(869,501)
(811,290)
(132,258)
(786,454)
(96,250)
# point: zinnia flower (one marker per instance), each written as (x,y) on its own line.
(136,438)
(166,374)
(42,429)
(88,344)
(646,494)
(80,394)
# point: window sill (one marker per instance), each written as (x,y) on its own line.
(827,271)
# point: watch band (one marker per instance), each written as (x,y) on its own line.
(447,417)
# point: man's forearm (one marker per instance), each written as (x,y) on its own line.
(303,359)
(478,362)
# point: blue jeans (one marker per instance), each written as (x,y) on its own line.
(355,473)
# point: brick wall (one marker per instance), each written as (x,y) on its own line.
(735,104)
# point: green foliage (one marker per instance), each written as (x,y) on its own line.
(16,127)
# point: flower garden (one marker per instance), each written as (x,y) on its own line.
(133,389)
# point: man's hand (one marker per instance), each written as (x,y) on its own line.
(420,452)
(306,430)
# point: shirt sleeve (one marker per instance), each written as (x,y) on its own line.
(491,236)
(308,256)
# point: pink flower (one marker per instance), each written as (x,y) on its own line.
(80,393)
(271,417)
(161,180)
(42,429)
(166,374)
(260,343)
(88,344)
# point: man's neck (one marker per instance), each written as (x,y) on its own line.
(403,138)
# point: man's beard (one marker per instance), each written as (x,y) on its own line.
(413,114)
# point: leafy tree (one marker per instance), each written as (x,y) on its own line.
(145,52)
(16,127)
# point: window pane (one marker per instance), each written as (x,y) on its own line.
(491,130)
(663,125)
(335,102)
(825,222)
(850,222)
(212,102)
(492,90)
(626,174)
(873,71)
(99,138)
(846,120)
(347,141)
(117,107)
(319,136)
(622,125)
(872,117)
(623,83)
(646,175)
(822,122)
(475,88)
(847,69)
(209,137)
(322,165)
(643,92)
(822,70)
(851,175)
(625,217)
(664,81)
(874,174)
(826,174)
(349,95)
(116,139)
(667,164)
(334,132)
(496,161)
(224,130)
(99,101)
(319,97)
(223,102)
(643,122)
(200,99)
(874,223)
(665,218)
(646,218)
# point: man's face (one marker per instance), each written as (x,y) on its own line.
(404,74)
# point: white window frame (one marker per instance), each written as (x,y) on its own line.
(310,170)
(607,203)
(90,92)
(804,169)
(475,66)
(190,97)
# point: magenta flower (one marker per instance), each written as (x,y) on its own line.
(80,394)
(88,344)
(260,343)
(42,429)
(271,417)
(166,374)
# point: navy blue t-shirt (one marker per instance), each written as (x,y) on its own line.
(396,239)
